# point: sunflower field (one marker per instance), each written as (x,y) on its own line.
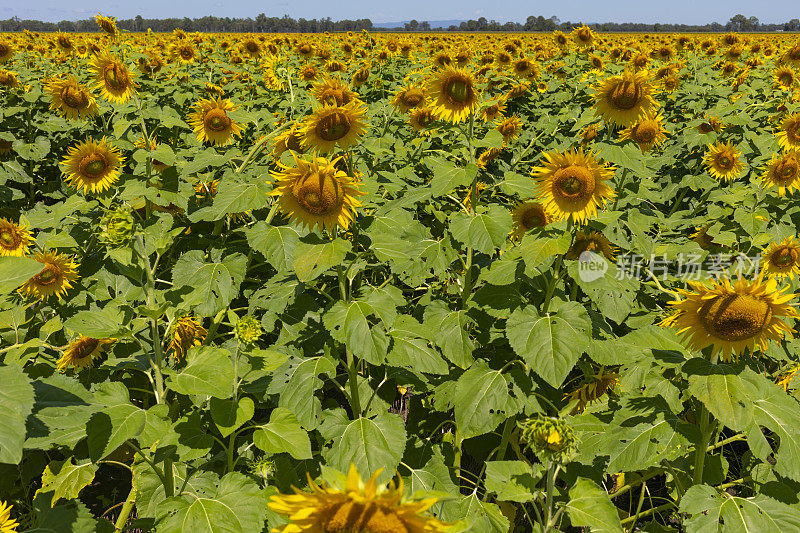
(399,283)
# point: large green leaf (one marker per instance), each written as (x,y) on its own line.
(234,197)
(98,323)
(229,414)
(296,381)
(65,479)
(61,410)
(276,243)
(349,324)
(14,271)
(115,423)
(313,260)
(212,284)
(589,506)
(447,176)
(283,434)
(208,371)
(451,332)
(513,481)
(716,511)
(483,398)
(16,403)
(484,231)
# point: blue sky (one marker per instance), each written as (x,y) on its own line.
(674,11)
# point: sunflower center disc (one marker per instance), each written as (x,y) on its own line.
(458,90)
(74,97)
(7,238)
(115,78)
(319,195)
(646,133)
(735,317)
(46,276)
(333,127)
(217,120)
(186,53)
(533,219)
(93,165)
(785,79)
(794,53)
(793,132)
(85,348)
(412,100)
(724,162)
(787,170)
(783,257)
(626,95)
(574,182)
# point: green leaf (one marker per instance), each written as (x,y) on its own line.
(229,415)
(14,271)
(482,516)
(65,517)
(349,324)
(717,511)
(485,231)
(296,381)
(98,323)
(550,344)
(643,445)
(447,176)
(208,372)
(283,434)
(62,408)
(118,421)
(313,260)
(451,332)
(512,481)
(65,479)
(213,285)
(276,243)
(589,506)
(412,348)
(723,392)
(369,443)
(484,398)
(16,403)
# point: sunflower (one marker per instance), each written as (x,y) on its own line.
(789,134)
(583,36)
(330,126)
(6,51)
(572,184)
(589,133)
(526,216)
(332,91)
(723,161)
(493,111)
(290,139)
(525,68)
(82,351)
(8,79)
(453,94)
(712,124)
(309,73)
(107,24)
(358,507)
(785,77)
(624,99)
(782,259)
(599,385)
(647,132)
(15,239)
(55,278)
(509,128)
(421,120)
(184,333)
(409,97)
(702,238)
(591,242)
(731,318)
(112,78)
(211,122)
(489,154)
(7,525)
(184,52)
(316,193)
(93,166)
(783,171)
(71,99)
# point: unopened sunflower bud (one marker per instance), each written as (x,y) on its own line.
(549,438)
(248,329)
(116,227)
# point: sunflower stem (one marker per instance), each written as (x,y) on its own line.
(707,426)
(125,512)
(352,379)
(158,358)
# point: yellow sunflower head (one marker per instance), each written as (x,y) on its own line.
(722,161)
(595,242)
(494,110)
(290,139)
(82,352)
(8,79)
(112,78)
(7,525)
(526,216)
(211,122)
(647,132)
(316,193)
(332,126)
(184,51)
(56,277)
(572,184)
(509,128)
(731,317)
(409,97)
(71,99)
(783,172)
(422,120)
(184,333)
(583,36)
(782,259)
(785,77)
(355,507)
(332,91)
(624,99)
(595,388)
(789,134)
(453,94)
(93,166)
(107,24)
(6,51)
(15,239)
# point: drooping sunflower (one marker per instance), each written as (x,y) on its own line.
(422,120)
(702,238)
(493,110)
(785,77)
(647,132)
(7,525)
(316,194)
(93,166)
(211,122)
(71,99)
(8,79)
(331,126)
(783,171)
(112,78)
(184,333)
(107,24)
(572,184)
(82,352)
(409,97)
(526,216)
(489,154)
(731,317)
(722,161)
(56,277)
(333,91)
(583,36)
(290,139)
(15,239)
(595,388)
(595,242)
(358,507)
(509,127)
(6,51)
(782,259)
(789,134)
(453,93)
(624,99)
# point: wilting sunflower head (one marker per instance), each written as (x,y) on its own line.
(785,77)
(6,51)
(783,172)
(248,329)
(549,438)
(488,154)
(112,78)
(595,242)
(453,94)
(422,120)
(592,390)
(211,122)
(355,507)
(731,317)
(107,24)
(290,139)
(589,133)
(493,110)
(647,132)
(782,259)
(93,166)
(15,239)
(583,36)
(56,277)
(509,128)
(71,99)
(409,97)
(332,126)
(184,333)
(8,79)
(7,525)
(332,91)
(789,134)
(82,352)
(572,184)
(702,238)
(624,99)
(722,161)
(316,194)
(526,216)
(116,227)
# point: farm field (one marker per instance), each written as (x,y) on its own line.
(399,282)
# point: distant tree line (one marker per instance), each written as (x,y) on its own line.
(264,24)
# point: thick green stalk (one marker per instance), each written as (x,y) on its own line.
(707,427)
(125,512)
